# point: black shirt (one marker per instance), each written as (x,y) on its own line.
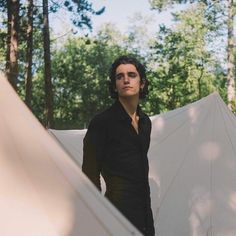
(113,148)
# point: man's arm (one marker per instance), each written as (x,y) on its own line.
(93,151)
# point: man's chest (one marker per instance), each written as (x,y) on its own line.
(123,135)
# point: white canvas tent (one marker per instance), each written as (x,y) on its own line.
(42,191)
(192,161)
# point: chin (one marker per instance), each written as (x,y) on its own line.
(128,95)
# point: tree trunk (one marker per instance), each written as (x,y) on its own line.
(8,38)
(29,54)
(12,42)
(47,68)
(200,67)
(230,59)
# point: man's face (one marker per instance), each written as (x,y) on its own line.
(128,81)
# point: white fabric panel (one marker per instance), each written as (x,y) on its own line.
(42,190)
(192,161)
(72,141)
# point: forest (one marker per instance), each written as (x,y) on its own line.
(65,84)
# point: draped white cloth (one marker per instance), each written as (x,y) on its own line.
(192,161)
(43,192)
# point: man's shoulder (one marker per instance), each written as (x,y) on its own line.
(144,116)
(148,120)
(102,118)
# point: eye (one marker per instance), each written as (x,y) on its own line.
(132,74)
(119,76)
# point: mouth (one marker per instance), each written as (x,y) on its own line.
(127,87)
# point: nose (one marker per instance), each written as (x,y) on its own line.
(126,79)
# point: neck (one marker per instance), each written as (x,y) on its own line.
(130,105)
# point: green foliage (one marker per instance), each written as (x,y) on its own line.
(81,11)
(233,105)
(2,48)
(138,38)
(110,35)
(3,5)
(214,12)
(21,41)
(80,76)
(182,67)
(164,4)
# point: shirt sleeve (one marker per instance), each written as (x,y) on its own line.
(148,129)
(93,151)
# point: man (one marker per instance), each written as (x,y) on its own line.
(117,142)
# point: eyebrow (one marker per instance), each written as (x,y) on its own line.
(129,73)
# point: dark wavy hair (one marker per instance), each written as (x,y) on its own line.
(126,59)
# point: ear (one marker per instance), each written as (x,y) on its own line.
(142,84)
